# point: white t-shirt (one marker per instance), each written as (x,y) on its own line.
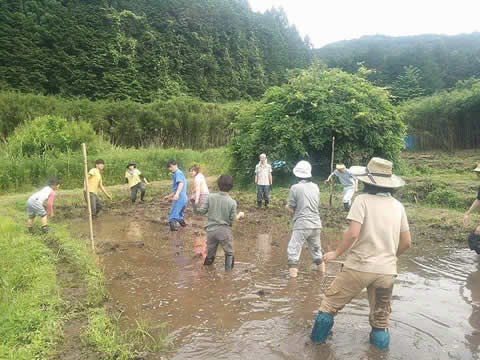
(43,194)
(199,183)
(263,174)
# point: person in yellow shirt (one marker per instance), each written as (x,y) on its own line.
(95,183)
(136,181)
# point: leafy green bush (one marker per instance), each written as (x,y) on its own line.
(51,134)
(297,121)
(445,197)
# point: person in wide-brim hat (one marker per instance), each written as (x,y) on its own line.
(378,173)
(377,234)
(136,182)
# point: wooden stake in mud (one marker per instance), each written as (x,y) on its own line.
(87,191)
(331,170)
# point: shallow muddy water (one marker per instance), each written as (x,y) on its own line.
(257,312)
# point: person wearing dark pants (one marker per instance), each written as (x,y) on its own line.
(222,211)
(95,183)
(263,180)
(136,182)
(377,234)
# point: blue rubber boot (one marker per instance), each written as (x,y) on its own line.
(380,338)
(321,328)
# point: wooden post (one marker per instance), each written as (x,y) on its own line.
(87,191)
(331,170)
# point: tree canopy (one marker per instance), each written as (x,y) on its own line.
(298,120)
(144,50)
(441,60)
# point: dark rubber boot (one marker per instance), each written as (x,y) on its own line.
(380,338)
(47,230)
(229,262)
(173,226)
(259,204)
(209,260)
(266,204)
(321,328)
(346,206)
(182,223)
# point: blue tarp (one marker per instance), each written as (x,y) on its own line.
(410,142)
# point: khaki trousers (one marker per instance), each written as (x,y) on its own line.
(349,283)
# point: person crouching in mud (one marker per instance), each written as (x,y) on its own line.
(377,234)
(474,237)
(222,211)
(136,181)
(303,200)
(178,195)
(35,205)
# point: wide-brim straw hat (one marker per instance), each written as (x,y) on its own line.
(378,172)
(340,166)
(477,169)
(303,170)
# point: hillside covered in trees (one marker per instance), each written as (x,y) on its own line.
(146,49)
(411,66)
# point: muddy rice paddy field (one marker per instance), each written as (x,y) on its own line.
(258,312)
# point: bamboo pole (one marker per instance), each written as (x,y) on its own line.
(87,191)
(331,170)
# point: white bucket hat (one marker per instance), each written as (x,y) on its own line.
(303,170)
(477,169)
(378,172)
(263,156)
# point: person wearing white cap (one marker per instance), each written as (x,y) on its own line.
(303,201)
(377,234)
(263,180)
(348,181)
(476,202)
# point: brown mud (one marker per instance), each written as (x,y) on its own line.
(256,311)
(73,291)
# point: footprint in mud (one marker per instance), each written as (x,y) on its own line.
(123,276)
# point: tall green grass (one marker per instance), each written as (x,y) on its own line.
(180,122)
(24,173)
(29,317)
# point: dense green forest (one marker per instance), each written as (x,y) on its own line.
(144,50)
(410,66)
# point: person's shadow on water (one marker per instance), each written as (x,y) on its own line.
(473,284)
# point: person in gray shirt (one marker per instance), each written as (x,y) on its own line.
(303,201)
(221,210)
(349,184)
